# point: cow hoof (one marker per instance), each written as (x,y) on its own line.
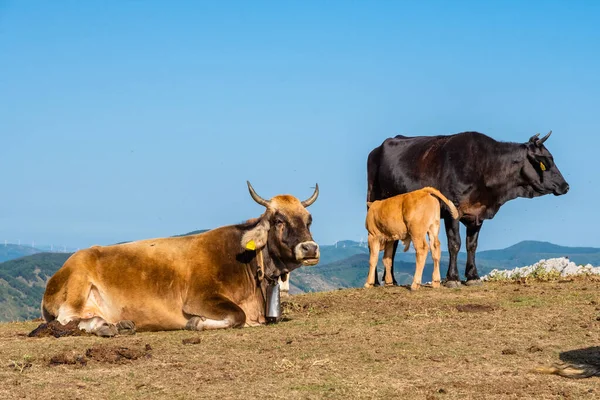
(369,285)
(452,284)
(390,284)
(126,327)
(285,294)
(107,330)
(435,284)
(474,282)
(414,286)
(195,324)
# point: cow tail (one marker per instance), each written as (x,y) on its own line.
(443,198)
(373,161)
(573,371)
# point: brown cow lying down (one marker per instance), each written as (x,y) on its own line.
(207,281)
(406,217)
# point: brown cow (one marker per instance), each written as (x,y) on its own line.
(406,217)
(212,280)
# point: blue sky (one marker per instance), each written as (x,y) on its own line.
(125,120)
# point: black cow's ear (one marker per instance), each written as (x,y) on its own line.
(256,238)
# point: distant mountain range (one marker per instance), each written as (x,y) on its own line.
(12,251)
(344,265)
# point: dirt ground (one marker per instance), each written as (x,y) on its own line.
(469,343)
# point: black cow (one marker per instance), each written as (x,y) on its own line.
(477,173)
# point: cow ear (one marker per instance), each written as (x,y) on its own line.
(256,238)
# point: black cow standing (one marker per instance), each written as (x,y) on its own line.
(477,173)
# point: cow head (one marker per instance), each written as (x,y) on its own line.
(539,170)
(285,229)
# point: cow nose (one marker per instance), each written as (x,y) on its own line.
(307,251)
(566,188)
(309,248)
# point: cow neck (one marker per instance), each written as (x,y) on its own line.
(262,280)
(260,266)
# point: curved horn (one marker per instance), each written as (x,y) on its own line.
(534,138)
(312,198)
(256,197)
(542,140)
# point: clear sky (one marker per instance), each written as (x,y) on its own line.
(125,120)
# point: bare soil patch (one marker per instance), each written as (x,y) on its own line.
(55,329)
(102,353)
(384,342)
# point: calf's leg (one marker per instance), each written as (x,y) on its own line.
(421,248)
(436,253)
(373,257)
(392,256)
(388,258)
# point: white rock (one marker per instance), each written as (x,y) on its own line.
(561,265)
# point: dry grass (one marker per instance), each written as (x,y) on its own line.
(475,343)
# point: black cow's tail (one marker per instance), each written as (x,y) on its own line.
(439,195)
(373,162)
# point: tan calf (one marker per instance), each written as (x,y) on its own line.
(406,217)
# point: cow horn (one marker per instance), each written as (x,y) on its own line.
(542,140)
(534,138)
(256,197)
(312,198)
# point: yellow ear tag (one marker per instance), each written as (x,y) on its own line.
(542,166)
(251,245)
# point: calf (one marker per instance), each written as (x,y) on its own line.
(406,217)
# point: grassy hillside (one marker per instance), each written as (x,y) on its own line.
(471,343)
(22,284)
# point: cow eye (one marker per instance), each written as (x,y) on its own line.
(542,166)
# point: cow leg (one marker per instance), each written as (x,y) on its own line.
(421,248)
(392,257)
(453,234)
(388,258)
(436,253)
(472,239)
(223,314)
(98,326)
(284,285)
(373,258)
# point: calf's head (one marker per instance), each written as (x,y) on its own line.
(539,169)
(285,229)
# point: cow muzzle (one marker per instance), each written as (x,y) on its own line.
(562,189)
(307,253)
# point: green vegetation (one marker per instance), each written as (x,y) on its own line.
(22,284)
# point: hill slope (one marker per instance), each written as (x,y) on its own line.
(12,251)
(22,284)
(471,343)
(344,265)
